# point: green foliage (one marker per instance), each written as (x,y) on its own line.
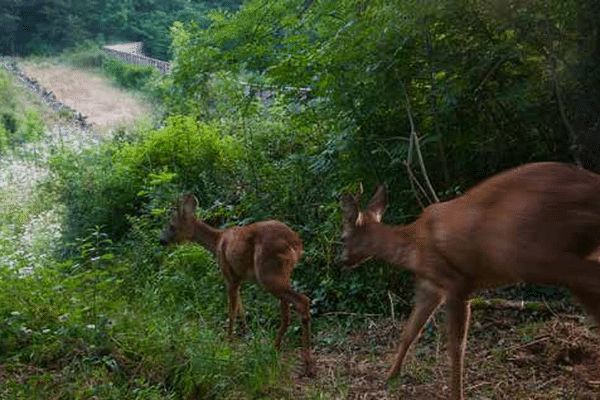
(472,76)
(17,124)
(123,318)
(39,314)
(85,55)
(252,147)
(94,195)
(102,186)
(4,139)
(129,75)
(189,281)
(275,110)
(160,343)
(367,59)
(32,128)
(198,156)
(44,27)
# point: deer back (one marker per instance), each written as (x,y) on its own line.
(531,212)
(244,252)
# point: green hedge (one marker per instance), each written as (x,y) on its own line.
(128,75)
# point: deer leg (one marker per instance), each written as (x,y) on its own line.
(233,292)
(459,314)
(285,322)
(427,298)
(302,306)
(274,275)
(242,314)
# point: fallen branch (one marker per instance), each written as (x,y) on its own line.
(533,306)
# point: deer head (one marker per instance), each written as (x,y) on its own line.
(181,227)
(357,223)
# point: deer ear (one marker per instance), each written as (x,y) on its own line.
(349,208)
(188,204)
(378,203)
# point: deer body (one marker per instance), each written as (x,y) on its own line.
(511,227)
(237,245)
(537,223)
(263,252)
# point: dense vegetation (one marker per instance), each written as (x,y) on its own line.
(46,26)
(271,110)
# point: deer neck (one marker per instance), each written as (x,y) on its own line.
(206,235)
(394,244)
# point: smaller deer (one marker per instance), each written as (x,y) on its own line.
(263,252)
(537,223)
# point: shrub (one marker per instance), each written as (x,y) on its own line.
(87,54)
(197,155)
(17,124)
(103,185)
(94,195)
(31,128)
(128,75)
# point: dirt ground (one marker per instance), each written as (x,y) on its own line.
(90,94)
(508,356)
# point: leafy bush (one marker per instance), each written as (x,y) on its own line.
(128,75)
(103,185)
(17,124)
(31,128)
(86,54)
(197,155)
(16,129)
(93,193)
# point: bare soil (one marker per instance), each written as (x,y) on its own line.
(89,93)
(506,358)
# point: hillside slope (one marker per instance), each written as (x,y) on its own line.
(89,93)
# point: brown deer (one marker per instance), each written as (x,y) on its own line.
(537,223)
(263,252)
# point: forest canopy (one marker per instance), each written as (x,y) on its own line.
(47,26)
(489,84)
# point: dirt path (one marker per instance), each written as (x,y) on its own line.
(90,94)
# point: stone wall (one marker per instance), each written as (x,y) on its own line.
(132,53)
(46,95)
